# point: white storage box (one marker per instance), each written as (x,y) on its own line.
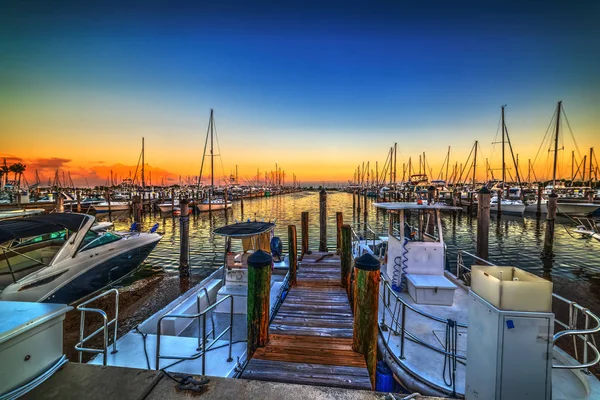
(510,288)
(30,341)
(237,276)
(431,289)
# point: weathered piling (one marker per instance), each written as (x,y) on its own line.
(346,258)
(366,303)
(60,203)
(107,195)
(225,199)
(78,194)
(304,224)
(137,211)
(538,211)
(366,210)
(483,222)
(172,200)
(499,210)
(339,219)
(242,206)
(550,219)
(259,285)
(430,194)
(293,254)
(353,200)
(322,220)
(184,240)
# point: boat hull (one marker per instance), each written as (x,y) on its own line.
(571,209)
(213,207)
(516,209)
(117,206)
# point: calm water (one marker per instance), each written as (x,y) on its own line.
(514,241)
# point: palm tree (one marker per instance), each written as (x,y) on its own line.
(4,174)
(18,170)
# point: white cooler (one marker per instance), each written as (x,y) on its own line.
(431,289)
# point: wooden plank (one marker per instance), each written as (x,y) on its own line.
(306,373)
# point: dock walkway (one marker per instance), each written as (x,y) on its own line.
(310,338)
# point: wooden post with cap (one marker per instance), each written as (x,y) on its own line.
(293,254)
(346,258)
(323,220)
(483,222)
(550,218)
(184,240)
(339,219)
(304,223)
(367,277)
(259,287)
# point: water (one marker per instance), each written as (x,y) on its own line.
(515,241)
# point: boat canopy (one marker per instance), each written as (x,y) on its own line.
(244,229)
(40,225)
(414,206)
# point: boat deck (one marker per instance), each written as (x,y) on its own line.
(311,335)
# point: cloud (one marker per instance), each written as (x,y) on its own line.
(48,163)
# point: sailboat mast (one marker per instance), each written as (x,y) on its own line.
(212,158)
(556,145)
(395,159)
(503,164)
(447,162)
(475,164)
(143,163)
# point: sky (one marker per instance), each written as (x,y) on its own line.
(317,87)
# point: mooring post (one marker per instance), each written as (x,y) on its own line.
(259,286)
(137,211)
(109,207)
(538,211)
(483,222)
(242,207)
(353,200)
(550,217)
(346,258)
(499,211)
(172,200)
(430,194)
(339,219)
(184,240)
(304,223)
(78,193)
(60,203)
(365,210)
(322,220)
(366,303)
(293,253)
(226,198)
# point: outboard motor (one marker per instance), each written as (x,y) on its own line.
(276,248)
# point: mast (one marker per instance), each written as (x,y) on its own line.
(143,163)
(474,164)
(572,166)
(395,159)
(447,162)
(591,165)
(556,145)
(503,164)
(212,161)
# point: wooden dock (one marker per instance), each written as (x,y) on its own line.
(310,338)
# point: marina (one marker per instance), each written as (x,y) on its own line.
(302,200)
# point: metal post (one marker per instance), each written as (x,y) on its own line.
(230,359)
(402,331)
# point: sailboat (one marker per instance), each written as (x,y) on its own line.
(498,203)
(570,208)
(211,203)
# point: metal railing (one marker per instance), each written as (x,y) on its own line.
(586,335)
(203,348)
(104,328)
(398,326)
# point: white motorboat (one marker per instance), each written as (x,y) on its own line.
(113,207)
(570,209)
(11,214)
(204,332)
(168,207)
(60,258)
(507,206)
(431,321)
(213,205)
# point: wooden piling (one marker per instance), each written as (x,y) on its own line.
(242,207)
(259,286)
(430,194)
(353,200)
(78,194)
(538,211)
(550,219)
(225,198)
(172,200)
(346,258)
(483,222)
(137,211)
(184,239)
(293,254)
(60,203)
(366,303)
(499,211)
(322,220)
(365,210)
(304,225)
(339,219)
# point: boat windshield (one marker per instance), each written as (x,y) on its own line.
(60,235)
(94,239)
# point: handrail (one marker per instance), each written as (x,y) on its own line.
(570,329)
(104,328)
(203,348)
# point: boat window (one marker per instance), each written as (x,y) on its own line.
(100,240)
(42,238)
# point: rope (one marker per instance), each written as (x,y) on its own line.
(450,359)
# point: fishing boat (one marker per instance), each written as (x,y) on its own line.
(113,206)
(211,203)
(204,331)
(62,257)
(587,228)
(437,330)
(168,206)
